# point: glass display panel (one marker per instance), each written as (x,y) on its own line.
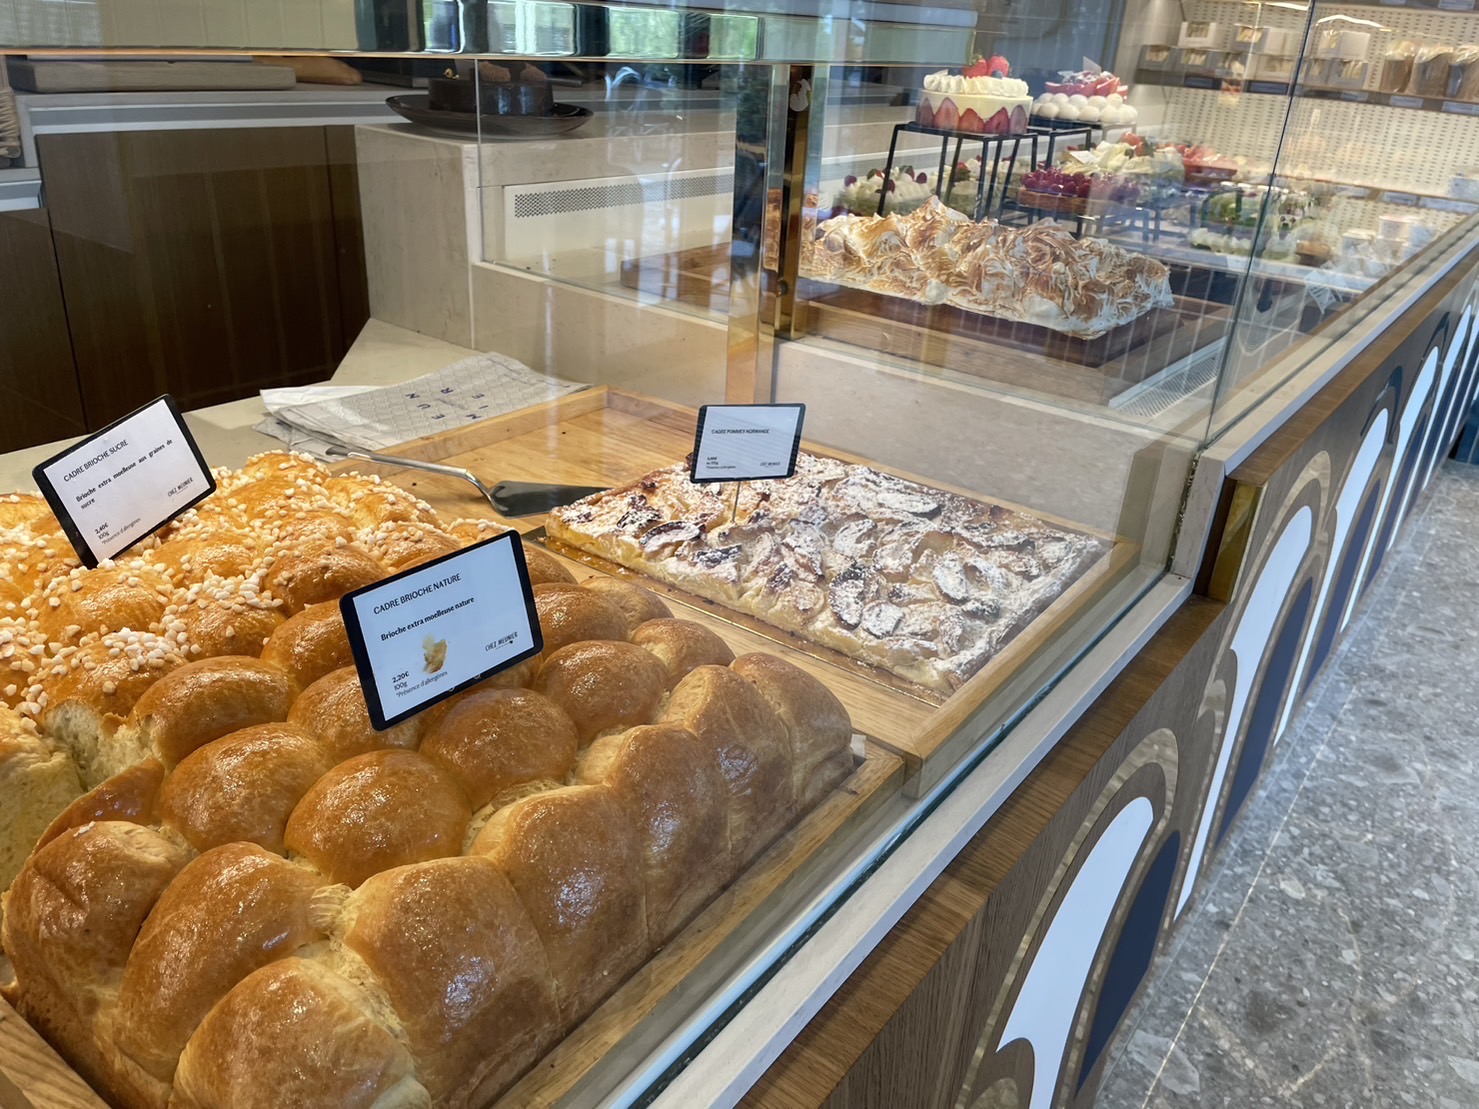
(1018,263)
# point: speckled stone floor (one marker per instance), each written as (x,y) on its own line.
(1333,959)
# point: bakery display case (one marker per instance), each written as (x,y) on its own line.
(1018,270)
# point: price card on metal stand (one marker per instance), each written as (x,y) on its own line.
(746,442)
(133,477)
(438,628)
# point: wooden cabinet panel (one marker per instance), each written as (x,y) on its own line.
(39,395)
(207,264)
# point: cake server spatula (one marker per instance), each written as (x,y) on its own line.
(508,498)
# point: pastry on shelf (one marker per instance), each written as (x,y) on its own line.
(923,583)
(1463,79)
(1038,275)
(1088,96)
(1430,70)
(1396,66)
(259,900)
(983,99)
(907,189)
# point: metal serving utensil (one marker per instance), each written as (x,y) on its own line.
(507,498)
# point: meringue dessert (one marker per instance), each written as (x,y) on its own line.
(1038,275)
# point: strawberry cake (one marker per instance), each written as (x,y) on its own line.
(982,100)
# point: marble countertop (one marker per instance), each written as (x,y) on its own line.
(382,355)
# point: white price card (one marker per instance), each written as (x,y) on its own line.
(438,628)
(133,477)
(746,442)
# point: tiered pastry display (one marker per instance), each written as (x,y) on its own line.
(925,584)
(1039,275)
(1089,96)
(983,99)
(262,901)
(1132,173)
(908,188)
(1295,227)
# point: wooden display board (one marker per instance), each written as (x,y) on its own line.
(605,437)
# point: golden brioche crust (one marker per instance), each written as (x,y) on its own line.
(378,810)
(205,700)
(74,911)
(671,789)
(730,717)
(242,787)
(464,968)
(572,857)
(569,614)
(310,644)
(638,605)
(603,685)
(682,646)
(106,599)
(496,739)
(131,795)
(333,709)
(818,727)
(228,912)
(224,616)
(403,544)
(311,574)
(70,921)
(195,553)
(294,1033)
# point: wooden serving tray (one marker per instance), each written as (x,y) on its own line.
(607,437)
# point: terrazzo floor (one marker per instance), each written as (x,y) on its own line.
(1333,960)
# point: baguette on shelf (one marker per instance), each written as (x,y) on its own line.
(261,901)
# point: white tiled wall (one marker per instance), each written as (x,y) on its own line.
(1360,143)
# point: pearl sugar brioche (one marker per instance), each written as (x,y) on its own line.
(225,888)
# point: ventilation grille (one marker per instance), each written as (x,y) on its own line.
(1175,383)
(591,198)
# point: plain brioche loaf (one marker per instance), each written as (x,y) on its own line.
(310,644)
(205,700)
(375,811)
(457,955)
(569,614)
(602,685)
(818,727)
(242,787)
(294,1033)
(500,738)
(682,646)
(671,789)
(733,721)
(638,605)
(333,709)
(228,912)
(131,795)
(571,855)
